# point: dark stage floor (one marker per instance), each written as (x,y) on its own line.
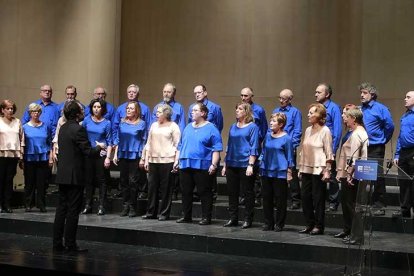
(23,253)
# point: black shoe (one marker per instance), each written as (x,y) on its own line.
(28,210)
(307,230)
(42,210)
(295,206)
(400,214)
(379,212)
(101,211)
(258,202)
(184,220)
(142,195)
(352,242)
(204,222)
(231,223)
(76,249)
(148,216)
(7,210)
(246,224)
(346,238)
(331,208)
(132,213)
(87,210)
(316,231)
(162,218)
(242,201)
(267,227)
(341,235)
(278,228)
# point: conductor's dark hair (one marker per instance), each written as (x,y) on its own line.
(72,109)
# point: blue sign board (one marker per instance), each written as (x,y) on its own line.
(366,169)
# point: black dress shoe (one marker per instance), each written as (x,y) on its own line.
(184,220)
(294,206)
(87,210)
(352,242)
(205,222)
(132,213)
(258,202)
(7,210)
(162,218)
(148,216)
(42,210)
(331,208)
(101,211)
(242,201)
(267,228)
(124,211)
(246,224)
(341,235)
(316,231)
(231,223)
(307,230)
(278,228)
(76,249)
(379,212)
(28,210)
(400,214)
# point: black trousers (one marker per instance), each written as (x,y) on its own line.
(130,175)
(67,215)
(348,199)
(294,185)
(160,183)
(313,200)
(274,189)
(95,176)
(237,178)
(8,170)
(378,152)
(35,179)
(191,178)
(406,163)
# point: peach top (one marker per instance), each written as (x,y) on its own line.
(11,138)
(316,150)
(162,143)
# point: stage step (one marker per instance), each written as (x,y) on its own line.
(385,249)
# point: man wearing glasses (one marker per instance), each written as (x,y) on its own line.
(293,128)
(50,112)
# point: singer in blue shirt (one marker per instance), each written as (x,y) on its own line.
(214,115)
(50,113)
(323,94)
(129,144)
(276,164)
(99,130)
(199,153)
(293,128)
(259,114)
(71,93)
(168,93)
(37,159)
(380,127)
(239,167)
(404,158)
(100,93)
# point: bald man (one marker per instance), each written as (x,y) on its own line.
(100,93)
(404,158)
(293,128)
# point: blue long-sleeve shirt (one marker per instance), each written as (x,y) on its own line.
(110,111)
(50,115)
(293,125)
(378,123)
(277,156)
(406,137)
(178,114)
(38,141)
(260,120)
(121,113)
(197,145)
(334,123)
(98,131)
(131,139)
(242,143)
(214,115)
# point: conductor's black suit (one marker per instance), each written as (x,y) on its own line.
(74,146)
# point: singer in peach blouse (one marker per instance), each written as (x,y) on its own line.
(316,157)
(356,147)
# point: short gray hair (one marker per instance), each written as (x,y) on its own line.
(370,88)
